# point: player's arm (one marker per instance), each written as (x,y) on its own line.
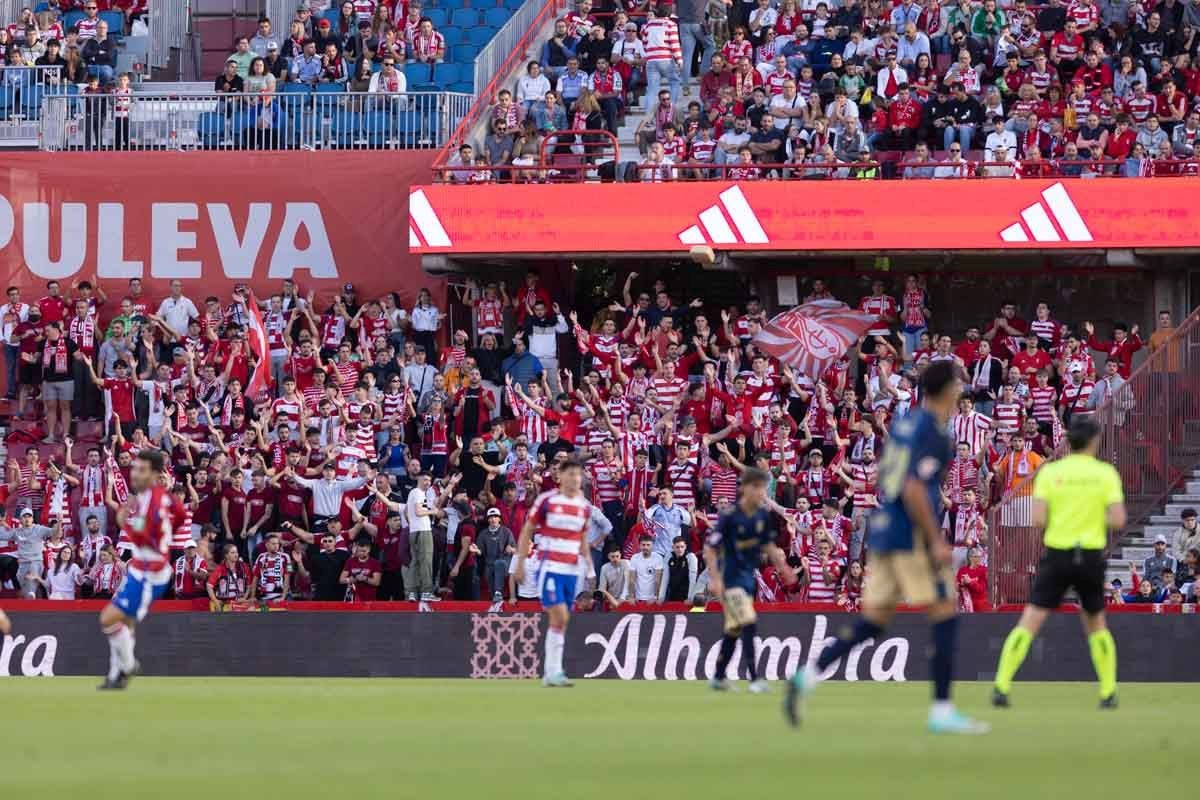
(920,511)
(523,543)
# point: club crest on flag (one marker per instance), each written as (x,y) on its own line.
(812,336)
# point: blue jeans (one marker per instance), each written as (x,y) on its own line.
(912,340)
(656,73)
(940,44)
(691,36)
(12,357)
(104,71)
(964,134)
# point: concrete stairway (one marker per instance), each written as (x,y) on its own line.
(626,138)
(1138,544)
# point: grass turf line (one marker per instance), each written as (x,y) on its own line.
(642,740)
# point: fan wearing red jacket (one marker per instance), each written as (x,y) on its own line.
(903,120)
(972,583)
(1124,344)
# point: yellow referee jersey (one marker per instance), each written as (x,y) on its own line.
(1077,491)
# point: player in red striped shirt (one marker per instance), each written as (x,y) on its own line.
(560,521)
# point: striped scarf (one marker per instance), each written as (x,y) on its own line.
(83,333)
(120,489)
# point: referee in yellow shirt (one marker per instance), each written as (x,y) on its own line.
(1076,500)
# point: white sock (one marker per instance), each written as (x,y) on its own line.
(128,666)
(116,634)
(554,651)
(941,708)
(812,675)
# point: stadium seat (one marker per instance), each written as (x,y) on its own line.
(446,73)
(453,35)
(116,23)
(332,14)
(464,53)
(513,5)
(345,127)
(496,17)
(465,87)
(331,88)
(297,88)
(40,7)
(438,17)
(70,19)
(465,17)
(480,36)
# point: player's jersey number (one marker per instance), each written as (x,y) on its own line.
(893,469)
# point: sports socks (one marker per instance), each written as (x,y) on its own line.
(941,666)
(749,651)
(554,651)
(728,642)
(1015,648)
(120,649)
(1104,658)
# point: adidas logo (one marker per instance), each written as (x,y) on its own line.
(422,215)
(1039,220)
(714,227)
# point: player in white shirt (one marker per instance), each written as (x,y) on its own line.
(560,521)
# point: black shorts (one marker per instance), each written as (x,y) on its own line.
(29,374)
(1060,570)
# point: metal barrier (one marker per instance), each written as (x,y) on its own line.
(1150,431)
(284,120)
(569,156)
(1051,168)
(169,24)
(21,93)
(736,171)
(506,49)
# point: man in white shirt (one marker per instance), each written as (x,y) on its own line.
(418,575)
(999,137)
(12,313)
(177,311)
(645,573)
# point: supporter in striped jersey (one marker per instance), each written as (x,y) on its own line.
(822,570)
(968,425)
(1042,402)
(1008,412)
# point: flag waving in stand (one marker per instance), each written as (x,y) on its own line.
(813,336)
(256,337)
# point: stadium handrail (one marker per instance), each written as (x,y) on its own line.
(1015,547)
(1052,168)
(485,97)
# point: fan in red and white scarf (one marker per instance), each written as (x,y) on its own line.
(56,355)
(58,500)
(120,495)
(82,330)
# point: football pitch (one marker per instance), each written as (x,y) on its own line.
(182,738)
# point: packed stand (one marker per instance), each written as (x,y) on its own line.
(388,458)
(845,89)
(80,37)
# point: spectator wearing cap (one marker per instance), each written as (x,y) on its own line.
(29,538)
(325,35)
(263,38)
(307,68)
(1187,537)
(1153,566)
(305,18)
(242,55)
(496,545)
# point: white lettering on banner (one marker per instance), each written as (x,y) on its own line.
(317,258)
(302,243)
(37,240)
(237,257)
(778,657)
(166,240)
(110,245)
(37,660)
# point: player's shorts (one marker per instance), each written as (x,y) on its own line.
(738,607)
(906,576)
(557,588)
(135,594)
(1061,570)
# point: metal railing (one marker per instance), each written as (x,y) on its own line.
(169,25)
(1046,168)
(1150,431)
(21,93)
(506,49)
(686,170)
(280,121)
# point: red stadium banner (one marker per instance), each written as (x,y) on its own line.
(831,216)
(212,220)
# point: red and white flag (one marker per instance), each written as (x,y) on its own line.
(811,337)
(256,337)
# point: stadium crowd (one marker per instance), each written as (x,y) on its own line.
(911,89)
(358,450)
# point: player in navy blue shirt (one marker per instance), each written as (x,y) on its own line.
(910,559)
(738,541)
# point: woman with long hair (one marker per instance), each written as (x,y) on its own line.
(347,20)
(64,576)
(922,78)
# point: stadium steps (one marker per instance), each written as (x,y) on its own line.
(1138,543)
(634,114)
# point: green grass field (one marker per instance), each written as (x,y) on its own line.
(291,738)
